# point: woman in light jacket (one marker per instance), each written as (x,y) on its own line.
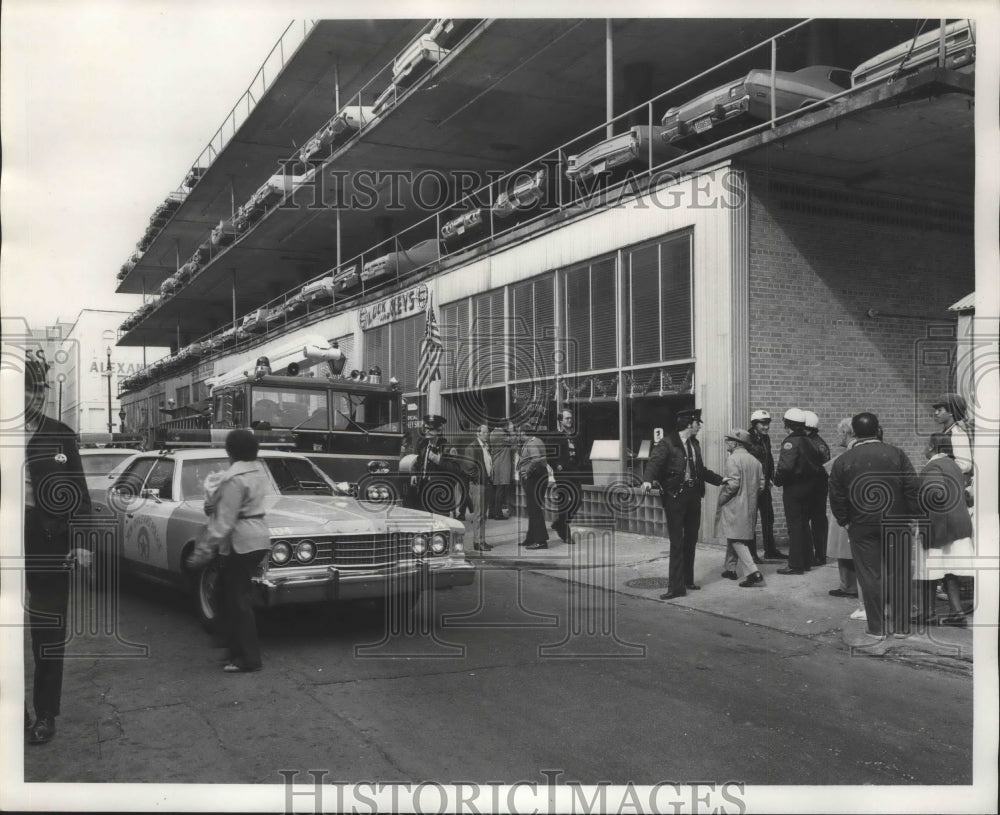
(534,473)
(235,506)
(501,441)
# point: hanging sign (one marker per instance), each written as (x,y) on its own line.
(404,304)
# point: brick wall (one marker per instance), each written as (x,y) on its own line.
(820,259)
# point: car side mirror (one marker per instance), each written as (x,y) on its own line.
(154,494)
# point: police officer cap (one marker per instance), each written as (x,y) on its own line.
(434,421)
(739,435)
(812,420)
(694,414)
(865,425)
(795,416)
(954,404)
(760,416)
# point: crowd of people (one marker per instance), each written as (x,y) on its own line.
(901,540)
(481,478)
(896,535)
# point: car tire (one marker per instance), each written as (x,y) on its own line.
(205,594)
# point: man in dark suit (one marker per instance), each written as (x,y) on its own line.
(874,493)
(676,466)
(563,458)
(55,492)
(478,469)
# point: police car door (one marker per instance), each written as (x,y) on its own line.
(144,540)
(141,506)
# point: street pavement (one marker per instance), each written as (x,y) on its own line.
(637,565)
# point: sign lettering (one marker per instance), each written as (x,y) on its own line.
(404,304)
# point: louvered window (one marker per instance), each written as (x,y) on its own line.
(590,323)
(487,360)
(658,293)
(533,325)
(406,338)
(377,348)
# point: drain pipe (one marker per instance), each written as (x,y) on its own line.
(609,81)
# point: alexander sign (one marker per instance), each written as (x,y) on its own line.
(405,304)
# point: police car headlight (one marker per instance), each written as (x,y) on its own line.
(305,551)
(419,544)
(439,543)
(377,492)
(458,543)
(281,553)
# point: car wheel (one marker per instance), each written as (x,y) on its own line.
(207,595)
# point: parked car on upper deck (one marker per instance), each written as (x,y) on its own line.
(922,52)
(634,145)
(325,546)
(750,97)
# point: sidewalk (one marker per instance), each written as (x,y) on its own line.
(637,565)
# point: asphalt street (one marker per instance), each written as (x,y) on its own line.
(524,672)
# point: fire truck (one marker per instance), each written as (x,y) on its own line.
(298,398)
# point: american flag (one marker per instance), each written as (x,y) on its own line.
(430,352)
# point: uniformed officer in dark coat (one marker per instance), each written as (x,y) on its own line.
(55,493)
(819,527)
(563,455)
(432,487)
(676,466)
(874,493)
(760,437)
(799,470)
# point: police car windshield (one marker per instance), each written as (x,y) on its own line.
(194,473)
(102,463)
(295,477)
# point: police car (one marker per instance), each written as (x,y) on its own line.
(325,545)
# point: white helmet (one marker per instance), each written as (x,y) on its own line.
(760,416)
(812,420)
(796,415)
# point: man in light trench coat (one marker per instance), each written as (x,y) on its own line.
(736,517)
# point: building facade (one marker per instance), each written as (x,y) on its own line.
(790,264)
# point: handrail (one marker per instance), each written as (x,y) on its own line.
(201,163)
(489,191)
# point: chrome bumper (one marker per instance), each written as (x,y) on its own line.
(331,584)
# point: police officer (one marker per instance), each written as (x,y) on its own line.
(55,493)
(431,482)
(562,455)
(760,437)
(676,465)
(798,470)
(819,526)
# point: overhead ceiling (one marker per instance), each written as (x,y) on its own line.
(515,90)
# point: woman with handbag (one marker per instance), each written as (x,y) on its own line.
(237,531)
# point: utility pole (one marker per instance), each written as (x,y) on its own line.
(110,420)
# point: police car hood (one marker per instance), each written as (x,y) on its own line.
(341,515)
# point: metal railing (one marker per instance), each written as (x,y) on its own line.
(560,194)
